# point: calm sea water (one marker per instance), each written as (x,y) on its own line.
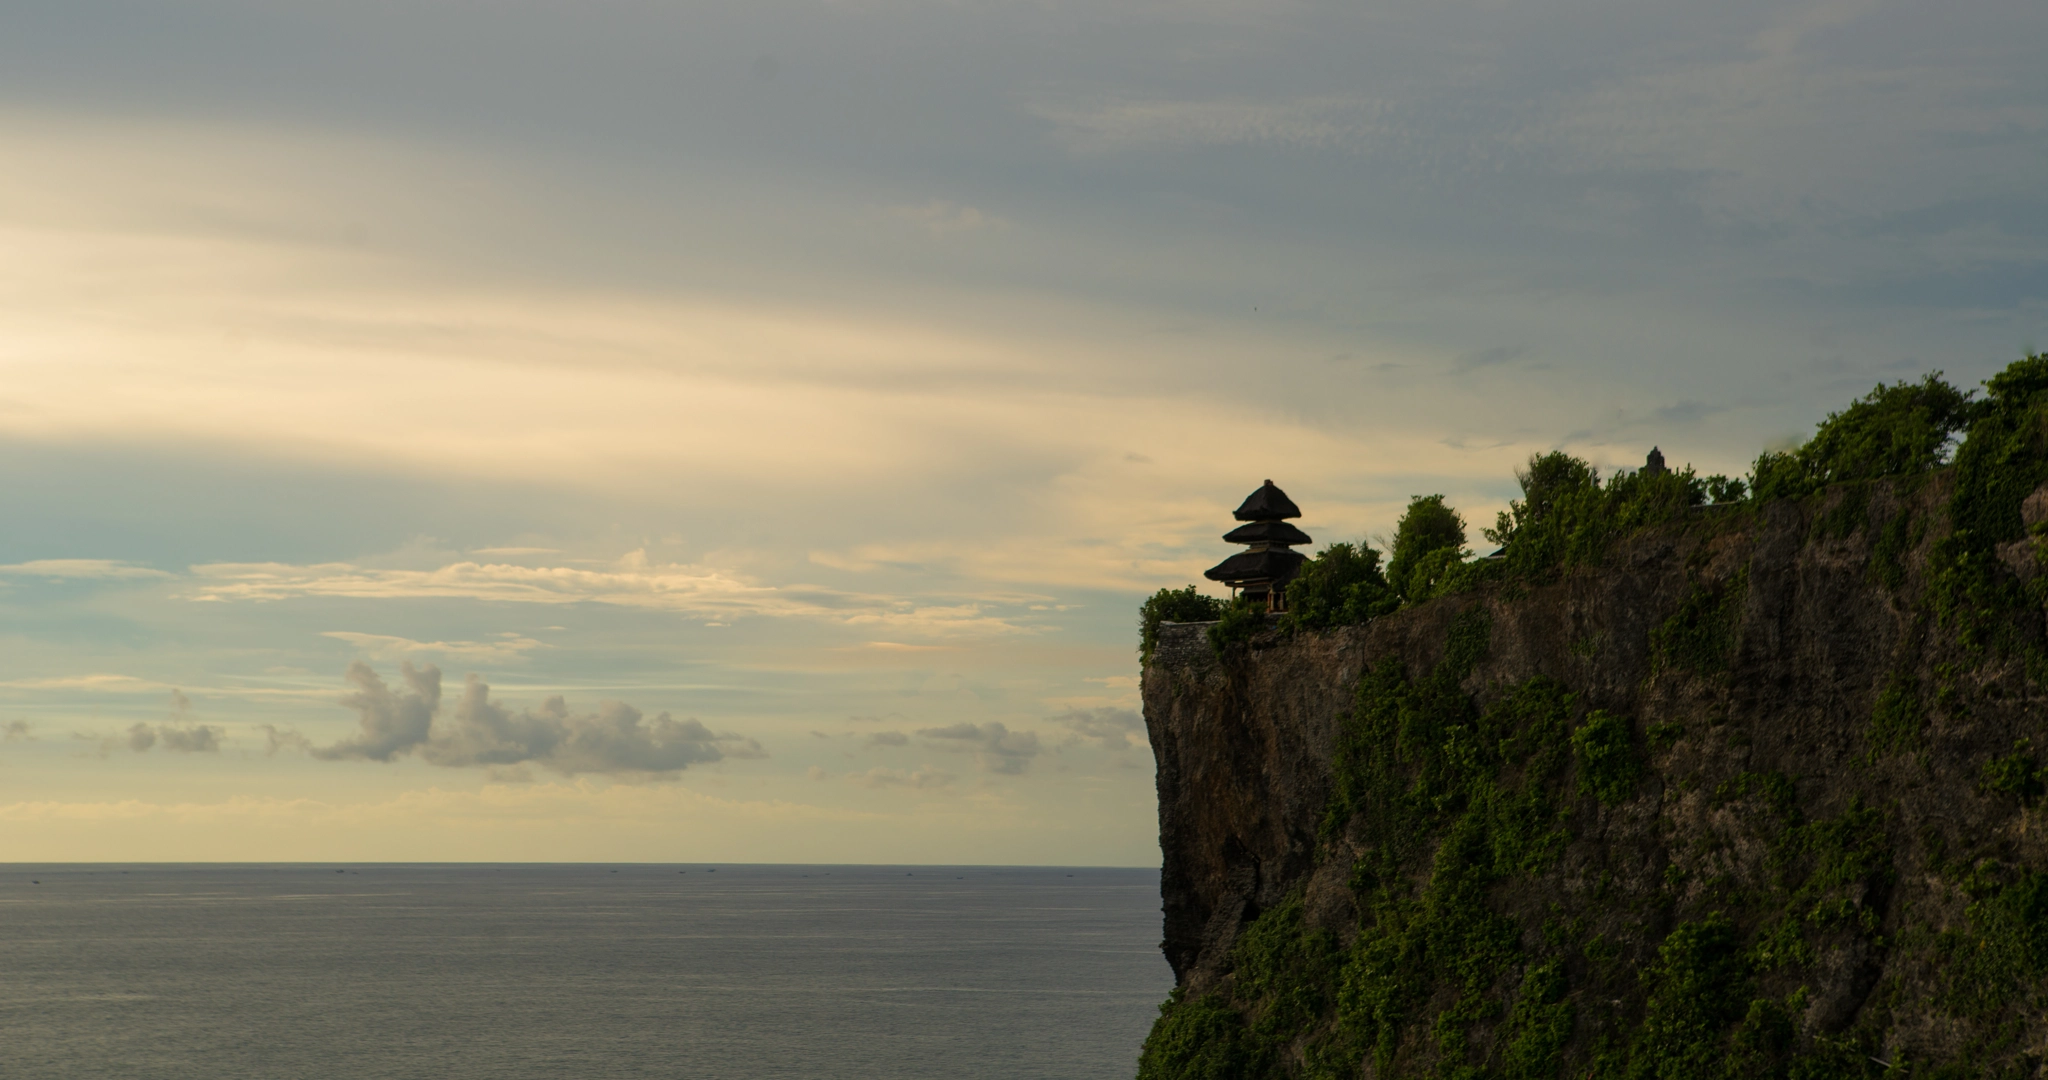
(742,972)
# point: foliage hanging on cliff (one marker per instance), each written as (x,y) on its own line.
(2002,461)
(1341,586)
(1172,605)
(1700,635)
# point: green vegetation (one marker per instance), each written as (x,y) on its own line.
(1700,635)
(2001,461)
(1341,586)
(1172,605)
(2016,775)
(1896,719)
(1429,543)
(1239,620)
(1895,430)
(1198,1040)
(1567,518)
(1604,751)
(2006,945)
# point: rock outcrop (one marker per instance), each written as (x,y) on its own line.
(1738,800)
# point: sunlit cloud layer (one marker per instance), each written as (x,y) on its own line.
(836,378)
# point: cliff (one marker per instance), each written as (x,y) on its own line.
(1741,800)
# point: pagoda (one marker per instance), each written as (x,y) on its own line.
(1261,572)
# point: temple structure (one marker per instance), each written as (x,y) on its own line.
(1262,571)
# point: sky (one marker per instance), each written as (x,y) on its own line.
(621,430)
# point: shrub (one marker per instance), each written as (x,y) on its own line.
(1341,586)
(1567,517)
(2015,774)
(1172,605)
(1240,620)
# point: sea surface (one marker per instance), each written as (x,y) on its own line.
(567,972)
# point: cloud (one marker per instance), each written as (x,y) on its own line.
(393,722)
(888,738)
(1112,729)
(125,684)
(142,738)
(924,778)
(15,731)
(617,738)
(630,581)
(81,569)
(276,740)
(996,748)
(510,648)
(197,739)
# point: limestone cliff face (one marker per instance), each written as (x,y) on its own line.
(1816,805)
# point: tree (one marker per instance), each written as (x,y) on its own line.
(1427,543)
(1550,477)
(1894,430)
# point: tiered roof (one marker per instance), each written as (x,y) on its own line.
(1265,569)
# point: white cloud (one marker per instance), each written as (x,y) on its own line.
(631,581)
(104,683)
(389,647)
(81,569)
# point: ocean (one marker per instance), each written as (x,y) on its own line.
(721,972)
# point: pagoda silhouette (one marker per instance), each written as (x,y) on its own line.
(1261,572)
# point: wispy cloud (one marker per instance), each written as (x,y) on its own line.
(509,648)
(81,570)
(105,683)
(633,581)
